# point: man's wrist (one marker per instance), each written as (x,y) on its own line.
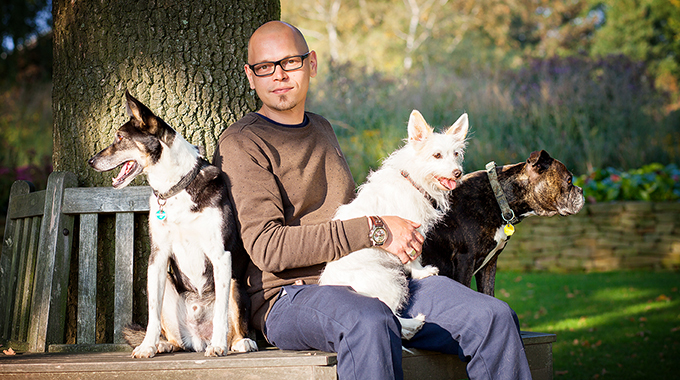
(378,231)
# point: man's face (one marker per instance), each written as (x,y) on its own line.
(283,90)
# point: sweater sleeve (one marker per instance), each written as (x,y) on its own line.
(257,196)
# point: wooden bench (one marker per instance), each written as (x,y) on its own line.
(34,280)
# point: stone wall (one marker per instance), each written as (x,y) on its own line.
(602,237)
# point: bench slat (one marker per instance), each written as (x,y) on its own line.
(54,254)
(122,312)
(22,261)
(106,200)
(29,276)
(26,205)
(11,250)
(10,276)
(87,279)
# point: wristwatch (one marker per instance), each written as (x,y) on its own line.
(378,234)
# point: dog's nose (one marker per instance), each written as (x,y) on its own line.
(457,173)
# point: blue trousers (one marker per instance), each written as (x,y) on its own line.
(482,330)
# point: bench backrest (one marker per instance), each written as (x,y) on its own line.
(36,255)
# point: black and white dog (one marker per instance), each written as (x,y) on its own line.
(195,300)
(476,227)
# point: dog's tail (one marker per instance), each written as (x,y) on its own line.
(134,334)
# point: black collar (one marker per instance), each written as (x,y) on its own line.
(183,183)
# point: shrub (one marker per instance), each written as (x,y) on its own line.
(588,113)
(35,173)
(652,182)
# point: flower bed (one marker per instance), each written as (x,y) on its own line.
(654,182)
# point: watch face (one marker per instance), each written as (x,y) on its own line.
(379,236)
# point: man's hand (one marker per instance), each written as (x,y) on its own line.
(403,238)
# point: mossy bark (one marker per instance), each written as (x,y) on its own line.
(182,59)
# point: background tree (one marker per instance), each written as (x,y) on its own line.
(20,21)
(648,31)
(584,79)
(185,61)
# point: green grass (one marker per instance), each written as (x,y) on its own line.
(617,325)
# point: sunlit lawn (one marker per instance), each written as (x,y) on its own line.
(617,325)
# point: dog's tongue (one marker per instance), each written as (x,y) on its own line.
(124,172)
(448,183)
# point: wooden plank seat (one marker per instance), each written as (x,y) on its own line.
(269,363)
(34,278)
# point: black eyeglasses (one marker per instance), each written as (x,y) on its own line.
(265,69)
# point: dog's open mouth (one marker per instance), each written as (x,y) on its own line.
(447,183)
(128,169)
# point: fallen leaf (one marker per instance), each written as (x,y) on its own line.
(663,298)
(9,351)
(560,373)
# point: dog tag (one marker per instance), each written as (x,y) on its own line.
(160,214)
(509,229)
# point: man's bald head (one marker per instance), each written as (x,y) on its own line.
(283,92)
(274,31)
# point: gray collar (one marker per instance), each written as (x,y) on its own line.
(507,213)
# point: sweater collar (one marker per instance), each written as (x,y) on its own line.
(304,123)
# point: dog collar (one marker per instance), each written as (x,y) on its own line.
(508,215)
(161,198)
(422,191)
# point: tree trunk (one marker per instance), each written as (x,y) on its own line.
(182,59)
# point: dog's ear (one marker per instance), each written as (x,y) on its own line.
(145,119)
(539,161)
(418,129)
(459,129)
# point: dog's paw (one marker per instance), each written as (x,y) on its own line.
(144,351)
(425,271)
(216,351)
(166,347)
(411,326)
(244,345)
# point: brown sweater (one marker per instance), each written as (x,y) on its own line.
(286,183)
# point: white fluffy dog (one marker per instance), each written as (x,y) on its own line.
(413,183)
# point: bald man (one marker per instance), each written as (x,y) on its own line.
(287,176)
